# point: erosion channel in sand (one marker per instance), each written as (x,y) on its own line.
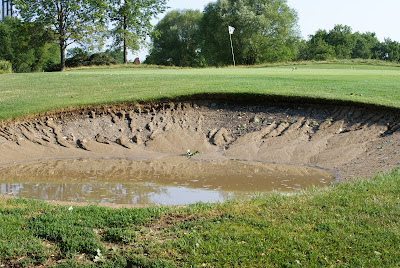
(347,140)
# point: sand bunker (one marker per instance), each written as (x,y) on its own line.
(351,141)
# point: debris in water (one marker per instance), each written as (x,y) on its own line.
(190,153)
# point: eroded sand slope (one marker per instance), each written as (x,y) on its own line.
(351,141)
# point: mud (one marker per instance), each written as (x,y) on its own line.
(348,140)
(167,181)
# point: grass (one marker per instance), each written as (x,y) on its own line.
(353,224)
(26,94)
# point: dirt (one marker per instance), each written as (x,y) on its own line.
(347,140)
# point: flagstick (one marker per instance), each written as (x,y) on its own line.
(233,54)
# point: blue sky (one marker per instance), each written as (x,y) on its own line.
(380,16)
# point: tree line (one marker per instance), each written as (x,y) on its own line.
(265,31)
(88,23)
(342,43)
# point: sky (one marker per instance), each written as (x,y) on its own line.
(380,16)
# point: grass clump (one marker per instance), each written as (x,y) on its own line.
(119,235)
(355,224)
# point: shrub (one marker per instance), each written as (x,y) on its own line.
(101,59)
(94,59)
(5,67)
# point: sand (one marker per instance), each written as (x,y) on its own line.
(350,141)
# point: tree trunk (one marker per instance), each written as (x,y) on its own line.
(125,52)
(61,34)
(62,51)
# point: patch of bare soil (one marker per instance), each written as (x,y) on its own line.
(351,141)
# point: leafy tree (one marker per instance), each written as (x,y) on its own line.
(318,48)
(340,43)
(176,40)
(303,52)
(266,30)
(215,42)
(28,46)
(342,40)
(131,22)
(6,51)
(71,21)
(389,50)
(78,52)
(365,46)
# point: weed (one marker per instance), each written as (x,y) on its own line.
(190,153)
(242,127)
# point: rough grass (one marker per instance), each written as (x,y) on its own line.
(26,94)
(353,224)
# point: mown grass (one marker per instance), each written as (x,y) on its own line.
(352,224)
(26,94)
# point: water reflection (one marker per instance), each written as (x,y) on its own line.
(173,181)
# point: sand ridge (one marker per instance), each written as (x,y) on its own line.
(351,141)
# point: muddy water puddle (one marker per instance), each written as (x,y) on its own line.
(172,181)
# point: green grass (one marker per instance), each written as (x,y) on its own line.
(26,94)
(353,224)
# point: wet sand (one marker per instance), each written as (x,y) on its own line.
(350,141)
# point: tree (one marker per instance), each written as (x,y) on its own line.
(80,21)
(389,50)
(337,43)
(266,30)
(6,51)
(131,22)
(365,45)
(176,40)
(342,40)
(28,46)
(317,47)
(215,42)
